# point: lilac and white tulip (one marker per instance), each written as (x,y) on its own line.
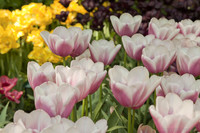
(132,89)
(90,67)
(63,42)
(159,55)
(163,28)
(185,86)
(135,44)
(172,115)
(55,100)
(39,74)
(77,78)
(188,61)
(103,51)
(126,24)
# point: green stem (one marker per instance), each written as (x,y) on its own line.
(129,120)
(100,93)
(74,114)
(138,63)
(155,97)
(146,109)
(83,108)
(90,100)
(64,63)
(125,58)
(86,106)
(133,121)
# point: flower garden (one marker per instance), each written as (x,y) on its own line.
(100,66)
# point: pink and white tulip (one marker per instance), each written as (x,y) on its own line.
(135,44)
(159,55)
(132,89)
(185,86)
(77,78)
(63,42)
(90,67)
(187,26)
(39,74)
(55,100)
(126,24)
(188,61)
(172,115)
(163,28)
(103,51)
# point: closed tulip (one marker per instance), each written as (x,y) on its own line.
(55,100)
(163,29)
(145,129)
(172,115)
(135,44)
(126,24)
(132,89)
(63,42)
(185,86)
(103,51)
(39,74)
(188,61)
(90,67)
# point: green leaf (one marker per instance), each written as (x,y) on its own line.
(98,108)
(4,113)
(113,119)
(115,128)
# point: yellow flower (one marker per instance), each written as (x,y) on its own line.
(35,38)
(5,18)
(56,8)
(7,40)
(75,7)
(44,54)
(106,4)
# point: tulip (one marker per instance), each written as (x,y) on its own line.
(188,61)
(55,100)
(163,29)
(172,115)
(185,86)
(126,24)
(64,42)
(158,56)
(197,108)
(90,67)
(187,26)
(6,84)
(85,54)
(145,129)
(39,74)
(134,45)
(103,51)
(77,78)
(132,89)
(14,95)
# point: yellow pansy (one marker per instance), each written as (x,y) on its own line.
(75,7)
(56,8)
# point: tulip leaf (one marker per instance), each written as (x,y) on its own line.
(113,119)
(115,128)
(98,108)
(4,114)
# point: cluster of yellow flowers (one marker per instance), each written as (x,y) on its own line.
(28,22)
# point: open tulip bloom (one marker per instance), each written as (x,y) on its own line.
(126,24)
(39,74)
(185,86)
(188,60)
(172,115)
(103,51)
(135,44)
(132,89)
(63,42)
(163,29)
